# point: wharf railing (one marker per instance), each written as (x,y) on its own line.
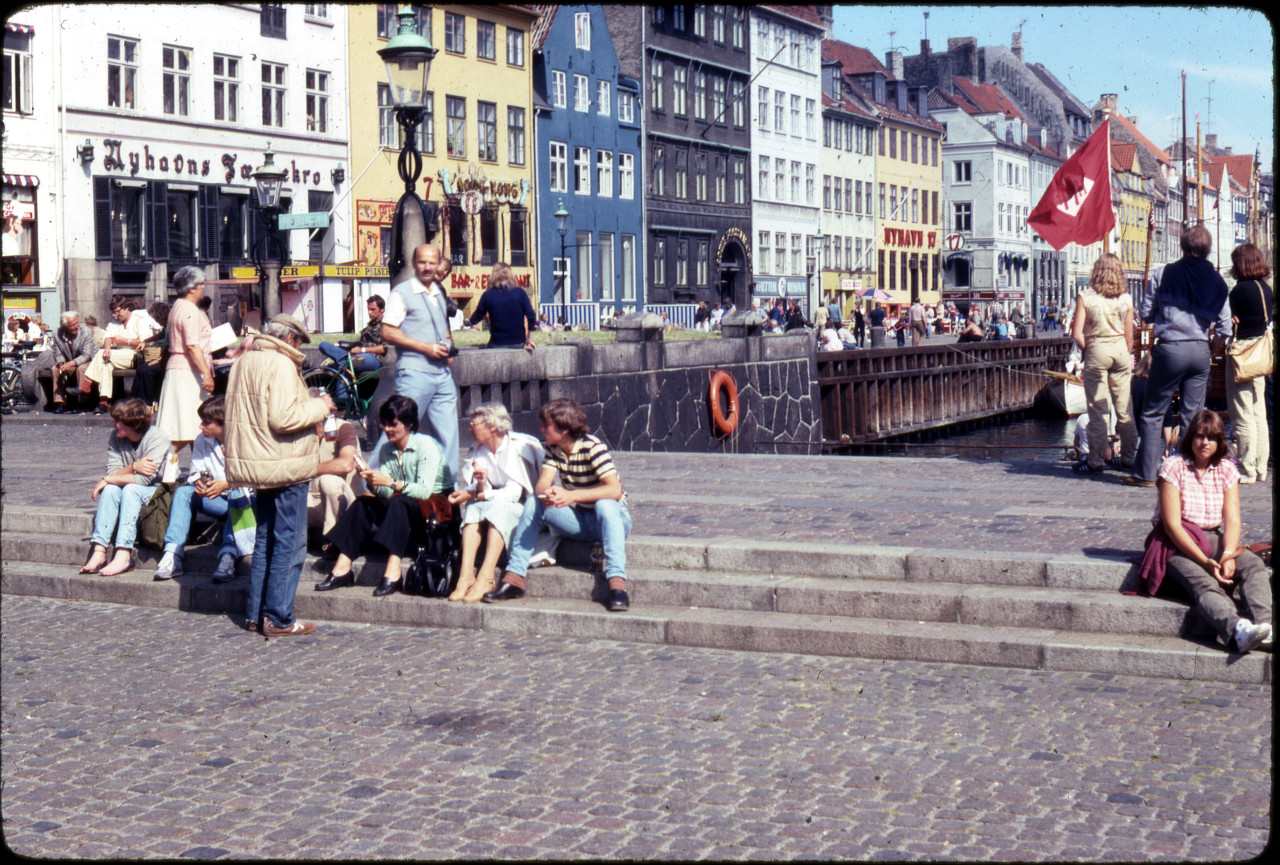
(871,394)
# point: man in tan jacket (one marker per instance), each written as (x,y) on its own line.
(271,445)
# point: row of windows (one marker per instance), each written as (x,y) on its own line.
(786,181)
(803,53)
(846,135)
(723,25)
(582,91)
(391,135)
(908,271)
(774,256)
(123,65)
(455,33)
(711,178)
(903,204)
(617,271)
(687,252)
(916,148)
(1010,219)
(784,121)
(844,195)
(558,175)
(709,93)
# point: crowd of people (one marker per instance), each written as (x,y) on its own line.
(271,459)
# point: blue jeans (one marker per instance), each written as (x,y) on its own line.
(279,551)
(609,523)
(185,506)
(1180,365)
(437,399)
(118,514)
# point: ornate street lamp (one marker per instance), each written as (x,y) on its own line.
(408,59)
(562,226)
(270,184)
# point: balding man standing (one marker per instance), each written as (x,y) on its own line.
(416,323)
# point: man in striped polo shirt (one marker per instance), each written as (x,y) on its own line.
(587,503)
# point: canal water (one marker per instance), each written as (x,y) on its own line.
(1030,437)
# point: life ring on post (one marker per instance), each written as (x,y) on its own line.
(721,381)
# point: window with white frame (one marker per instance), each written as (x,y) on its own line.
(658,172)
(700,263)
(559,90)
(780,252)
(717,24)
(795,182)
(581,93)
(762,253)
(515,135)
(604,173)
(627,266)
(604,98)
(584,244)
(273,93)
(226,88)
(739,180)
(682,173)
(700,177)
(317,101)
(682,262)
(515,47)
(762,107)
(717,99)
(487,131)
(762,38)
(963,211)
(680,91)
(486,40)
(797,256)
(582,170)
(17,73)
(176,81)
(700,21)
(582,30)
(810,115)
(779,111)
(739,28)
(563,278)
(810,183)
(964,171)
(762,183)
(655,85)
(455,33)
(386,117)
(780,179)
(795,115)
(739,105)
(626,107)
(122,72)
(455,110)
(721,179)
(659,261)
(316,10)
(559,167)
(626,176)
(700,95)
(607,265)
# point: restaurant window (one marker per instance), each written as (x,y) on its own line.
(231,225)
(19,239)
(183,219)
(519,237)
(319,238)
(458,232)
(489,236)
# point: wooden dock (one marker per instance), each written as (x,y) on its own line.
(867,395)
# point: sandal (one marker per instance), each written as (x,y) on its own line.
(95,549)
(128,565)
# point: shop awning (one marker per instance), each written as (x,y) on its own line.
(21,180)
(253,280)
(20,29)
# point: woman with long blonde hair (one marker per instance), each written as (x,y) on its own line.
(1103,328)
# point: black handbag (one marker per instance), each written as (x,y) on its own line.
(434,571)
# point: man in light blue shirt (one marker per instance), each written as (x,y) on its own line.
(1183,301)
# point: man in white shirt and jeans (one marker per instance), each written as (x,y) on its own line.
(416,323)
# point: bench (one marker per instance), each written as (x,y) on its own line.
(44,386)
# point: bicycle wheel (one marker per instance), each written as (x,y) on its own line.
(10,387)
(338,386)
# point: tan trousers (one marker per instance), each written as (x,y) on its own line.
(1107,370)
(328,497)
(102,371)
(1249,415)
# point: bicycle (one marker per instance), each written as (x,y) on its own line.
(11,395)
(352,393)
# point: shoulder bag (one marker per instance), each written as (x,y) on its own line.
(1253,357)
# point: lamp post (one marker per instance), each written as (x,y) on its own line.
(408,59)
(562,225)
(818,240)
(270,183)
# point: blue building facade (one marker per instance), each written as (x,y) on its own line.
(587,128)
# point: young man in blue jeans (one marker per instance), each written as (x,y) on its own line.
(588,503)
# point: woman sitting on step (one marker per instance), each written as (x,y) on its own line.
(137,454)
(1197,538)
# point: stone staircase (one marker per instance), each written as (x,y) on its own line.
(1057,613)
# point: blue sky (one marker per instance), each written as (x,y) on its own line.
(1136,52)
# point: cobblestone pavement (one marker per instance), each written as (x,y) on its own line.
(143,733)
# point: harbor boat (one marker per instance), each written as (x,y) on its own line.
(1064,394)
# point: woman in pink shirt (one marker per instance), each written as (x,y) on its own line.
(1199,491)
(188,376)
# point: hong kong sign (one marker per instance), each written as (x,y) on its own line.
(491,191)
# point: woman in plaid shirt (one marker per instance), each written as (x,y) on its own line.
(1197,485)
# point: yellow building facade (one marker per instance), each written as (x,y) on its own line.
(476,140)
(1133,211)
(908,209)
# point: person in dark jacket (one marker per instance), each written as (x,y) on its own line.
(508,310)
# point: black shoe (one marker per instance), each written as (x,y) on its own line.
(58,407)
(504,592)
(618,601)
(336,581)
(386,587)
(102,408)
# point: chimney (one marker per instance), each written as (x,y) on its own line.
(1016,45)
(924,47)
(1228,151)
(1211,141)
(893,60)
(827,16)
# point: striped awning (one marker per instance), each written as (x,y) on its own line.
(21,180)
(20,29)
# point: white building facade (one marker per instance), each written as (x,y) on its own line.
(179,105)
(785,154)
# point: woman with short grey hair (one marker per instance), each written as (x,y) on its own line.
(188,375)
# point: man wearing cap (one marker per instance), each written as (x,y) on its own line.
(416,323)
(271,446)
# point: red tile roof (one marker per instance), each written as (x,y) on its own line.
(989,98)
(852,59)
(1146,143)
(808,14)
(546,15)
(1122,155)
(1239,167)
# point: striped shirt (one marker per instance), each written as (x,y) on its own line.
(1202,497)
(589,463)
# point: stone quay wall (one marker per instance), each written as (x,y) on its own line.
(652,395)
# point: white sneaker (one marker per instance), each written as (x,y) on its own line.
(170,566)
(1249,636)
(226,568)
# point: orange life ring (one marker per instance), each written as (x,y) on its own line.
(721,380)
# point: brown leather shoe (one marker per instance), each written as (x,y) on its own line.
(299,628)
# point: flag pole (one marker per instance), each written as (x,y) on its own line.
(1186,210)
(1199,179)
(1106,238)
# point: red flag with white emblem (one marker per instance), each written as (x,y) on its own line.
(1076,206)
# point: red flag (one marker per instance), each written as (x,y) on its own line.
(1076,206)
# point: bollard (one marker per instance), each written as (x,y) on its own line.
(877,336)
